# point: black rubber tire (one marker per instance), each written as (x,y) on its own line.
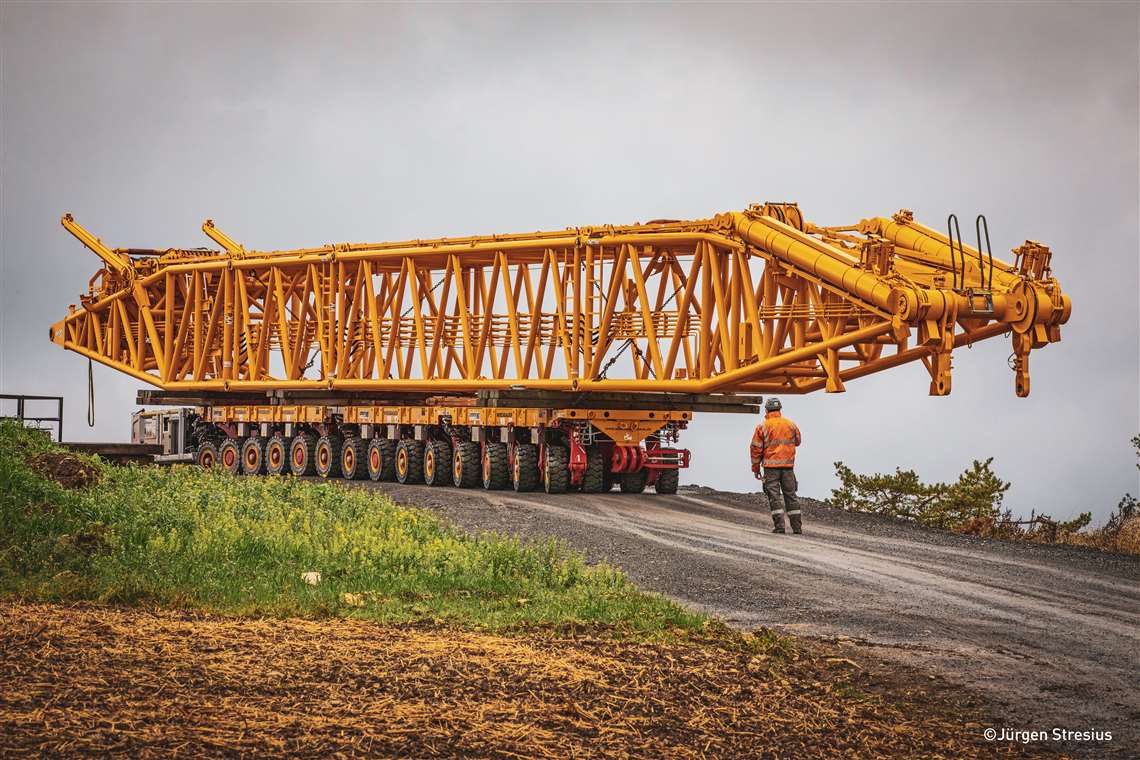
(594,478)
(667,481)
(466,469)
(206,456)
(382,459)
(328,456)
(556,469)
(496,473)
(229,455)
(410,461)
(303,454)
(524,470)
(437,463)
(634,482)
(353,463)
(253,456)
(277,455)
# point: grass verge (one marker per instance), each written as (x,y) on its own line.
(186,538)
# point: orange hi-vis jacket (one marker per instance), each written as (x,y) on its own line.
(774,442)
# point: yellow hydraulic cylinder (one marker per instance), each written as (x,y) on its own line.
(118,263)
(1022,302)
(829,264)
(221,238)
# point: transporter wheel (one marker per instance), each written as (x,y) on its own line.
(524,472)
(207,455)
(230,456)
(253,456)
(594,478)
(303,454)
(667,481)
(496,473)
(437,463)
(634,482)
(276,455)
(556,470)
(382,459)
(410,461)
(353,462)
(466,470)
(328,455)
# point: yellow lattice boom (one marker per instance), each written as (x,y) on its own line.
(753,301)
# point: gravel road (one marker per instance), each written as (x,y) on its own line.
(1050,633)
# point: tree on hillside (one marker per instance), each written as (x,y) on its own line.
(976,495)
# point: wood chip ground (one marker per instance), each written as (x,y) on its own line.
(89,680)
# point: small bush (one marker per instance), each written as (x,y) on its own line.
(977,495)
(1121,533)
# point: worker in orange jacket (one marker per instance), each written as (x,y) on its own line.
(773,451)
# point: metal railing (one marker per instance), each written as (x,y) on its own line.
(23,416)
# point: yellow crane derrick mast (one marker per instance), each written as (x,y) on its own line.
(697,312)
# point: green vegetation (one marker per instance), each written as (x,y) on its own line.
(1128,509)
(187,538)
(1122,530)
(977,495)
(972,505)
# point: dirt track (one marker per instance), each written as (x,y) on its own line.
(1050,632)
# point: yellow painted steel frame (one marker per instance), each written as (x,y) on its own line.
(752,301)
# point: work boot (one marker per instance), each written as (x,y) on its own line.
(778,524)
(797,523)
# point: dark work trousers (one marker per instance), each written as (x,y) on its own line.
(780,488)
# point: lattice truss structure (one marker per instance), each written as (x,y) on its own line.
(752,301)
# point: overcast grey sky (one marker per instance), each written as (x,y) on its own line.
(296,125)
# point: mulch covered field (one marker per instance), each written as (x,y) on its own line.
(81,680)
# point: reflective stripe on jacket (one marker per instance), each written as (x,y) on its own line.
(774,442)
